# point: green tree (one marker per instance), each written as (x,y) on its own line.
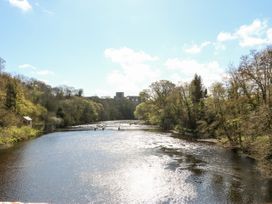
(197,91)
(11,96)
(159,91)
(60,113)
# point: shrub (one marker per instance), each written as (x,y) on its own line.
(15,134)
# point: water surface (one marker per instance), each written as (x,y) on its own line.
(127,166)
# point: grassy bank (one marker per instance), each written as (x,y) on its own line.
(14,134)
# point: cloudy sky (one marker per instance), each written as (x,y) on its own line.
(104,46)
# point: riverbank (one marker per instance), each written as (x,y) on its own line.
(11,135)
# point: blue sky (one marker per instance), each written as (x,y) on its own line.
(104,46)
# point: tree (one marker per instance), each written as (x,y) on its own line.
(197,91)
(144,96)
(79,92)
(160,90)
(197,95)
(144,112)
(60,113)
(88,115)
(189,119)
(239,109)
(256,69)
(11,96)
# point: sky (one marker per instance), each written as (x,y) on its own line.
(105,46)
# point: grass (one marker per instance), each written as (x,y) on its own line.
(15,134)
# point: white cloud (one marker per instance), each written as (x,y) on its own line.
(44,72)
(253,34)
(135,72)
(269,35)
(255,28)
(36,71)
(186,69)
(194,49)
(27,66)
(223,36)
(24,5)
(218,46)
(127,56)
(44,10)
(257,33)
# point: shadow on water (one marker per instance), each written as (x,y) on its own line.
(10,165)
(182,161)
(235,180)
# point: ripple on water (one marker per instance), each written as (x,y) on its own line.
(143,182)
(127,167)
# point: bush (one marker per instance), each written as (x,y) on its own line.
(15,134)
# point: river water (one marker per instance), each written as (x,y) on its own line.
(127,166)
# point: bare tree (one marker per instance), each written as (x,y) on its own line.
(256,69)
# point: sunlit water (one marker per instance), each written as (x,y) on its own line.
(127,166)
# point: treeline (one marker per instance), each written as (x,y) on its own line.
(50,107)
(65,105)
(61,106)
(116,109)
(238,109)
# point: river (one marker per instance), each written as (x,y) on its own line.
(127,166)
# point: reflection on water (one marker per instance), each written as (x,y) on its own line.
(127,167)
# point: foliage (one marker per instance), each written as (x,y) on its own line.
(15,134)
(11,96)
(238,108)
(76,111)
(121,109)
(50,107)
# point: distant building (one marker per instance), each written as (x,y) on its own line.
(134,99)
(119,95)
